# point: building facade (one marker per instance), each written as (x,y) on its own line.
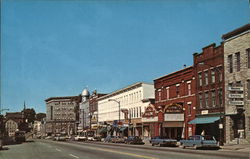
(123,109)
(237,84)
(209,72)
(62,114)
(176,103)
(11,126)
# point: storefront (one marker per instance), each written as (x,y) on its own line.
(150,122)
(173,125)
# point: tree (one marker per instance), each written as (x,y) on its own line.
(29,114)
(40,116)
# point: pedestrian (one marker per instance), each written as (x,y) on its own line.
(203,133)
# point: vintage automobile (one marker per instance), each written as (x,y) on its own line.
(199,141)
(162,141)
(20,136)
(60,137)
(134,140)
(118,139)
(80,138)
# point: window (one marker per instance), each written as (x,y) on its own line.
(200,100)
(159,94)
(230,63)
(212,76)
(140,111)
(189,88)
(219,72)
(248,57)
(137,112)
(189,109)
(248,89)
(237,55)
(213,99)
(200,79)
(206,77)
(220,97)
(167,92)
(177,90)
(206,99)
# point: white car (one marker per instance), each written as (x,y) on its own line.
(90,138)
(80,138)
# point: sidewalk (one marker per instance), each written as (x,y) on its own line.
(237,147)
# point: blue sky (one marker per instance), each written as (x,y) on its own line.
(57,48)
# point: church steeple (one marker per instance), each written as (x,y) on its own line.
(24,106)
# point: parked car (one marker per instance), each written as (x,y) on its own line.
(108,138)
(80,138)
(199,141)
(90,138)
(60,137)
(49,137)
(134,140)
(163,141)
(118,139)
(20,136)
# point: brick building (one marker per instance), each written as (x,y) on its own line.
(62,114)
(175,102)
(237,84)
(209,72)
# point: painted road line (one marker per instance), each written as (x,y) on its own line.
(124,153)
(73,156)
(58,150)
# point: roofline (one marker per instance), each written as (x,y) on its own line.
(65,97)
(174,72)
(123,89)
(236,32)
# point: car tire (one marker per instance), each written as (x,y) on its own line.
(195,147)
(153,144)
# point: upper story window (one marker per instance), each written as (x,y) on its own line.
(230,63)
(237,56)
(248,89)
(200,100)
(189,109)
(200,78)
(167,92)
(248,57)
(213,99)
(220,97)
(189,88)
(206,77)
(207,99)
(178,90)
(212,76)
(159,93)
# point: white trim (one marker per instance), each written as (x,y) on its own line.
(177,85)
(189,102)
(188,81)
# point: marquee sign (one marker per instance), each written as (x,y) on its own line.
(173,108)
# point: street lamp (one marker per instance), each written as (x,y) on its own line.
(119,107)
(220,75)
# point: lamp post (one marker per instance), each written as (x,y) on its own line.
(220,121)
(119,107)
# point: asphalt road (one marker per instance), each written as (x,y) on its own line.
(47,149)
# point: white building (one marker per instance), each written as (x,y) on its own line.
(131,105)
(84,120)
(11,126)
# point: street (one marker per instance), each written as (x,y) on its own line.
(48,149)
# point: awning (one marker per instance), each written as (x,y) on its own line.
(102,130)
(204,120)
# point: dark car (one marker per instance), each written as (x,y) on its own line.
(134,140)
(20,136)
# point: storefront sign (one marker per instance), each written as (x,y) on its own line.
(235,88)
(173,108)
(150,119)
(236,96)
(204,112)
(236,102)
(173,117)
(149,112)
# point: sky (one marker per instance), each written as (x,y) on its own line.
(57,48)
